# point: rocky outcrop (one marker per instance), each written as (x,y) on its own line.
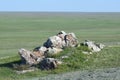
(94,47)
(61,40)
(53,45)
(27,57)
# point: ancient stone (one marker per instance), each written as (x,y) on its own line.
(53,41)
(62,40)
(27,57)
(53,45)
(71,40)
(31,58)
(40,51)
(62,34)
(49,63)
(95,47)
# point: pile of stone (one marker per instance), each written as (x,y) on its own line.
(94,47)
(53,45)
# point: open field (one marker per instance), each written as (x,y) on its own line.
(29,30)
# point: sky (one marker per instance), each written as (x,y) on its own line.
(61,5)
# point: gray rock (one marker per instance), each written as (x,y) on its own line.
(31,58)
(62,34)
(61,40)
(71,40)
(53,45)
(49,63)
(53,41)
(95,47)
(27,57)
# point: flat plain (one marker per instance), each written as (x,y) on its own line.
(31,29)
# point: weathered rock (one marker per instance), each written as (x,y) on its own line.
(62,40)
(62,34)
(95,47)
(64,57)
(49,63)
(31,58)
(27,57)
(39,55)
(40,51)
(101,46)
(40,48)
(53,41)
(71,40)
(53,45)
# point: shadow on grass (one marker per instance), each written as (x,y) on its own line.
(10,64)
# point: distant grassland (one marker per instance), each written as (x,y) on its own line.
(28,30)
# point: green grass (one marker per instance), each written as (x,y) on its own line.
(29,30)
(107,58)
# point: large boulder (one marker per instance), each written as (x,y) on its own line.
(40,51)
(32,57)
(71,40)
(53,41)
(27,57)
(61,40)
(62,34)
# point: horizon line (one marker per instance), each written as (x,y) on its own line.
(67,11)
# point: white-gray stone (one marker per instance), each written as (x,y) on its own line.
(95,47)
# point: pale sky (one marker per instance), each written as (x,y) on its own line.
(61,5)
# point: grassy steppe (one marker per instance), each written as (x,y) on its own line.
(28,30)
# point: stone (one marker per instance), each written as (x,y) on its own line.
(49,63)
(40,52)
(27,57)
(62,34)
(64,57)
(54,45)
(95,47)
(53,41)
(71,40)
(62,40)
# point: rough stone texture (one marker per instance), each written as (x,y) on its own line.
(61,40)
(71,40)
(31,58)
(27,57)
(53,41)
(40,51)
(48,63)
(54,45)
(95,47)
(57,43)
(62,34)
